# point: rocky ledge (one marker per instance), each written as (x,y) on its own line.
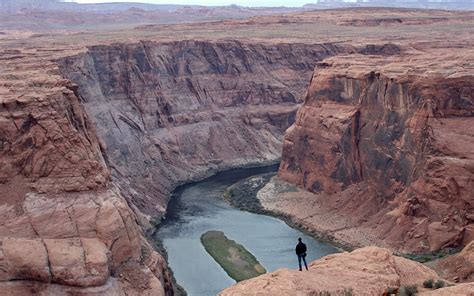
(388,151)
(366,271)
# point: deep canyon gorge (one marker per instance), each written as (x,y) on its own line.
(376,129)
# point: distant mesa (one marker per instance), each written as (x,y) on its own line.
(12,6)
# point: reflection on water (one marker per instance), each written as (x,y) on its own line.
(198,207)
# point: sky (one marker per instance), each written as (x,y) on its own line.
(291,3)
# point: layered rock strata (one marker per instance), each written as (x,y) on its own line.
(64,227)
(146,112)
(56,192)
(173,112)
(389,151)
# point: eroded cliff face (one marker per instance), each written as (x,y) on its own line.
(66,154)
(174,112)
(393,153)
(71,197)
(64,227)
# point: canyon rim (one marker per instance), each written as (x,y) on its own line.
(369,110)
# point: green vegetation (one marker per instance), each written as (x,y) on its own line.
(284,187)
(428,283)
(243,194)
(410,290)
(426,257)
(346,292)
(239,263)
(439,284)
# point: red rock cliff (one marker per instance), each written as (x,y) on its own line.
(64,227)
(153,114)
(395,149)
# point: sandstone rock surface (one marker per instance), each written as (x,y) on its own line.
(461,289)
(389,150)
(366,271)
(78,239)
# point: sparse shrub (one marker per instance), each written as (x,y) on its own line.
(410,290)
(439,284)
(428,283)
(348,292)
(391,291)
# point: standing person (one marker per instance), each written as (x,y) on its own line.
(301,253)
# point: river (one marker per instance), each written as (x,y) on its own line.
(198,207)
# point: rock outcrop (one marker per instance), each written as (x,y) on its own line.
(64,227)
(391,151)
(366,271)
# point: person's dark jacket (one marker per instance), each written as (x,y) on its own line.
(300,248)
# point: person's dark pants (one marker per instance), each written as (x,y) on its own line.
(302,257)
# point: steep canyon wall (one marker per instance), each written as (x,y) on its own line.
(392,152)
(88,158)
(173,112)
(64,227)
(92,144)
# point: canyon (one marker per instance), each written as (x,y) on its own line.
(174,112)
(97,128)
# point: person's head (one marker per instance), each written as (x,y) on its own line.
(299,239)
